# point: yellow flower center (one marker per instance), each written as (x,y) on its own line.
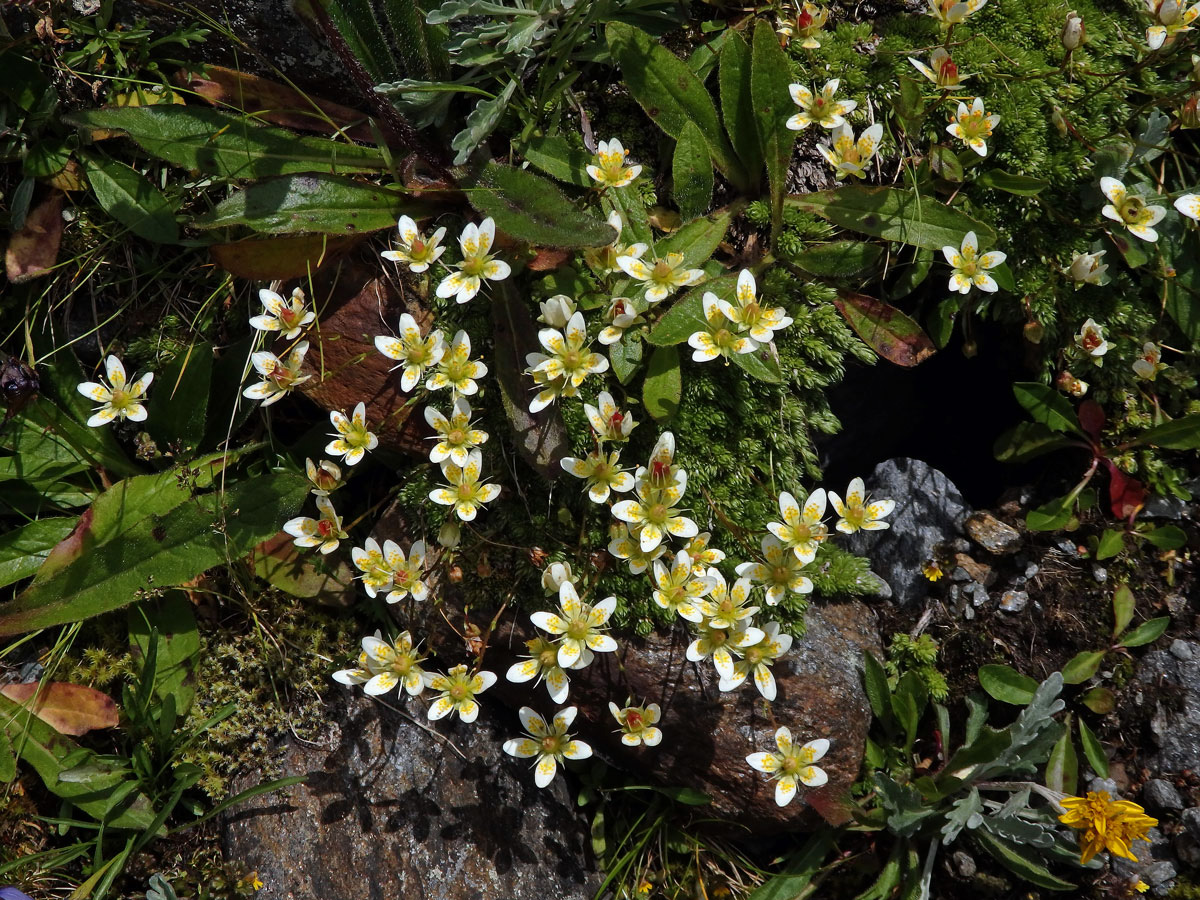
(456,437)
(458,691)
(754,655)
(121,399)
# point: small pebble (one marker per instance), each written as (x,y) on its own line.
(1182,650)
(1031,570)
(1100,574)
(1014,601)
(964,864)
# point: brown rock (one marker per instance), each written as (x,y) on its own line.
(391,810)
(977,571)
(993,535)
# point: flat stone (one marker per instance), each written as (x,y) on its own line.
(976,571)
(1014,601)
(1181,649)
(1160,796)
(993,535)
(390,809)
(1158,872)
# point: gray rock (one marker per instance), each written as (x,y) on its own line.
(1104,784)
(1182,650)
(1160,507)
(1158,872)
(1160,796)
(1173,685)
(993,535)
(929,511)
(1100,574)
(391,810)
(1191,821)
(977,592)
(964,864)
(1014,601)
(1187,850)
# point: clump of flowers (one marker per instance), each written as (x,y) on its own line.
(791,765)
(383,666)
(1105,824)
(550,744)
(119,398)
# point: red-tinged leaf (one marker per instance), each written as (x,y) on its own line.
(547,259)
(33,250)
(1127,495)
(67,708)
(71,547)
(891,333)
(1091,419)
(282,257)
(282,565)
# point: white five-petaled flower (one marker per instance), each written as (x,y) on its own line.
(607,420)
(286,316)
(942,71)
(323,533)
(580,625)
(459,691)
(1091,340)
(1086,268)
(464,491)
(662,276)
(622,313)
(456,370)
(749,315)
(970,268)
(549,743)
(721,644)
(779,573)
(856,514)
(1149,364)
(383,666)
(368,559)
(679,589)
(414,352)
(638,724)
(120,399)
(656,516)
(1189,205)
(1170,18)
(1130,210)
(325,478)
(727,607)
(566,364)
(415,250)
(848,156)
(756,661)
(718,339)
(352,439)
(542,664)
(602,472)
(626,545)
(477,264)
(951,12)
(280,375)
(610,169)
(801,529)
(972,124)
(455,436)
(820,108)
(407,571)
(791,764)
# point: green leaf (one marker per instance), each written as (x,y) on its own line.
(1082,666)
(1179,434)
(1007,685)
(361,30)
(145,551)
(887,330)
(840,259)
(1013,858)
(627,202)
(770,75)
(1028,440)
(626,356)
(419,46)
(1051,516)
(558,159)
(697,240)
(326,204)
(908,704)
(178,406)
(1092,750)
(944,163)
(1047,406)
(875,681)
(798,871)
(692,172)
(8,759)
(663,389)
(127,196)
(1110,544)
(686,315)
(231,146)
(169,624)
(1146,633)
(912,275)
(909,104)
(669,93)
(532,209)
(737,107)
(761,364)
(1099,700)
(895,215)
(481,122)
(23,550)
(1165,537)
(1021,185)
(1123,607)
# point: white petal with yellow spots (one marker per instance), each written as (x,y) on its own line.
(121,400)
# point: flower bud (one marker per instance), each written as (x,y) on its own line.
(1069,384)
(555,575)
(1168,12)
(1195,67)
(557,311)
(1189,113)
(1086,268)
(1073,33)
(450,534)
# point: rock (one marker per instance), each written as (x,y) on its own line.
(964,864)
(1160,796)
(1187,850)
(1173,684)
(929,511)
(1191,821)
(1182,650)
(975,571)
(390,809)
(993,535)
(1158,872)
(1014,601)
(1100,574)
(977,592)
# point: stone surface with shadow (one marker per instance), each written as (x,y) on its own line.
(390,810)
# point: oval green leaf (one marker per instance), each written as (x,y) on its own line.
(663,389)
(1006,684)
(888,331)
(532,209)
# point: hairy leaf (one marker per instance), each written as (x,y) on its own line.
(737,105)
(770,74)
(1047,406)
(558,159)
(532,209)
(888,331)
(664,386)
(23,549)
(840,259)
(691,169)
(127,196)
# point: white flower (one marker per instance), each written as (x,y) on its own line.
(455,436)
(622,313)
(970,269)
(1086,268)
(280,376)
(323,533)
(721,644)
(282,315)
(601,472)
(477,265)
(464,491)
(951,12)
(942,71)
(756,661)
(1131,210)
(972,124)
(580,625)
(352,439)
(626,545)
(557,311)
(1189,205)
(457,370)
(856,513)
(1171,18)
(1150,363)
(749,315)
(415,353)
(555,574)
(662,277)
(406,571)
(383,666)
(610,169)
(801,530)
(779,573)
(369,560)
(325,478)
(792,764)
(458,693)
(727,607)
(569,362)
(703,556)
(809,23)
(850,157)
(638,724)
(821,108)
(542,664)
(718,340)
(549,743)
(416,250)
(120,399)
(607,420)
(655,517)
(679,588)
(1091,339)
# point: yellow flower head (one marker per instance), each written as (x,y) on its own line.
(1111,825)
